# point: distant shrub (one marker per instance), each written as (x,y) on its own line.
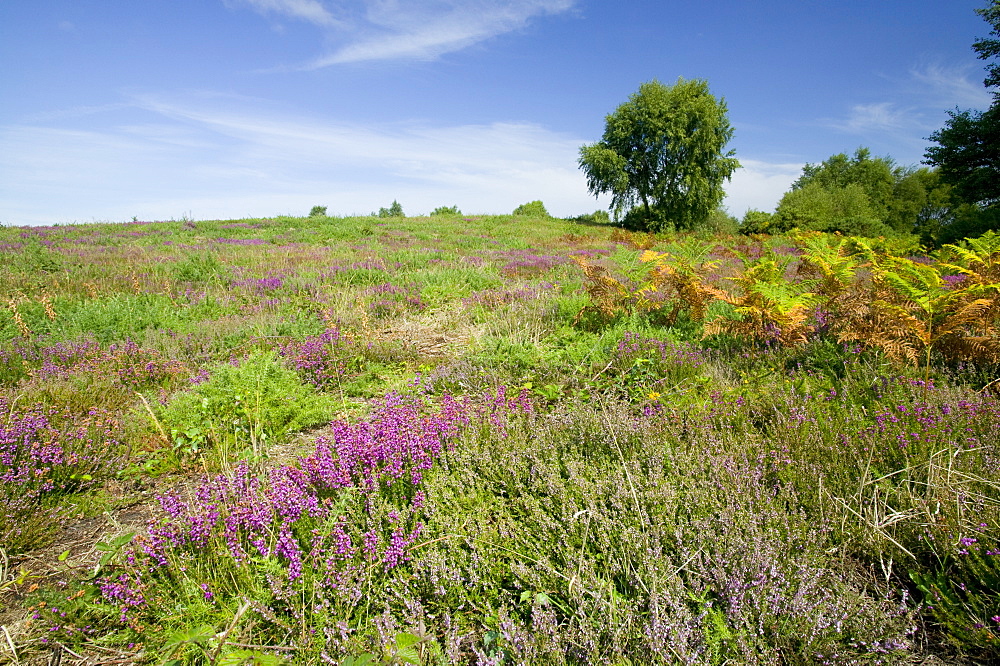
(318,211)
(395,210)
(756,222)
(446,210)
(597,217)
(532,209)
(720,222)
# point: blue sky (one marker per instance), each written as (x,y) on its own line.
(218,109)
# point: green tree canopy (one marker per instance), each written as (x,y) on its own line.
(395,210)
(859,195)
(661,156)
(875,176)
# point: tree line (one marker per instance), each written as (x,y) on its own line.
(663,160)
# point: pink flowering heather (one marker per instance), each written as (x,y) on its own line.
(319,359)
(45,451)
(355,502)
(126,364)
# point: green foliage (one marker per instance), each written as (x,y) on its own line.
(859,196)
(532,209)
(317,211)
(987,48)
(721,223)
(767,306)
(200,267)
(661,156)
(966,154)
(845,209)
(32,257)
(395,210)
(757,222)
(406,648)
(963,221)
(963,593)
(117,317)
(597,217)
(921,204)
(245,407)
(446,210)
(875,176)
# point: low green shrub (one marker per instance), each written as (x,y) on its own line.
(246,405)
(532,209)
(198,267)
(597,217)
(395,210)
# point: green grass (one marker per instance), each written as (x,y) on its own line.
(668,497)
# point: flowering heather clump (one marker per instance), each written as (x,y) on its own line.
(261,286)
(904,432)
(125,364)
(527,263)
(650,365)
(388,299)
(45,452)
(336,526)
(319,359)
(952,281)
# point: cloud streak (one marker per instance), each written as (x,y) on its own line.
(918,106)
(878,117)
(312,11)
(759,185)
(374,30)
(949,87)
(197,154)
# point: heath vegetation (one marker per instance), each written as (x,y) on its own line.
(495,440)
(670,437)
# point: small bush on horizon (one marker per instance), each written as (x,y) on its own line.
(597,217)
(446,210)
(533,209)
(395,210)
(317,211)
(721,222)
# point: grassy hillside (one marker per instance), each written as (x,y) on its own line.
(493,440)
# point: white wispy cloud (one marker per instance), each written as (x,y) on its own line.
(759,184)
(199,156)
(312,11)
(877,117)
(949,87)
(367,30)
(915,105)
